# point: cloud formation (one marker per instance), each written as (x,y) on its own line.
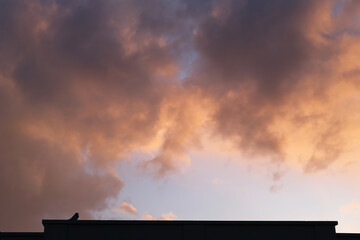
(351,208)
(84,84)
(277,69)
(164,216)
(81,85)
(127,208)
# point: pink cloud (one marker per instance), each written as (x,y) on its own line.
(84,84)
(164,216)
(127,208)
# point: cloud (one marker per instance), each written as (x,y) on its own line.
(127,208)
(255,57)
(218,181)
(352,208)
(266,65)
(183,122)
(164,216)
(148,217)
(84,84)
(81,86)
(168,216)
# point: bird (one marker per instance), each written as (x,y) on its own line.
(75,217)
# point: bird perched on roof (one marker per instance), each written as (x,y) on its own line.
(75,217)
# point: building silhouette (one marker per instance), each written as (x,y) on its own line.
(74,229)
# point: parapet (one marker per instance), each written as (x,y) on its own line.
(74,229)
(189,230)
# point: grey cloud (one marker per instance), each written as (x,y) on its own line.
(80,90)
(256,58)
(84,83)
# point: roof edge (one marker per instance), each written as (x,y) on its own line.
(348,234)
(209,222)
(22,233)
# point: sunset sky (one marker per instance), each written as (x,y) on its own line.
(179,109)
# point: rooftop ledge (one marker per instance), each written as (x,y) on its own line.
(192,222)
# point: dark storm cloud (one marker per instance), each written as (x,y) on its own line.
(82,84)
(261,59)
(85,83)
(258,41)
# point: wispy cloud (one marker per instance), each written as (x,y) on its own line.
(218,181)
(352,208)
(127,208)
(164,216)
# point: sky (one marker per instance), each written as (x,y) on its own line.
(179,109)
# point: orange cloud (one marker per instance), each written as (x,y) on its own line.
(84,84)
(74,100)
(164,216)
(351,208)
(127,208)
(279,88)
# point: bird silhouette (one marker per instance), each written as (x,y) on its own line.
(75,217)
